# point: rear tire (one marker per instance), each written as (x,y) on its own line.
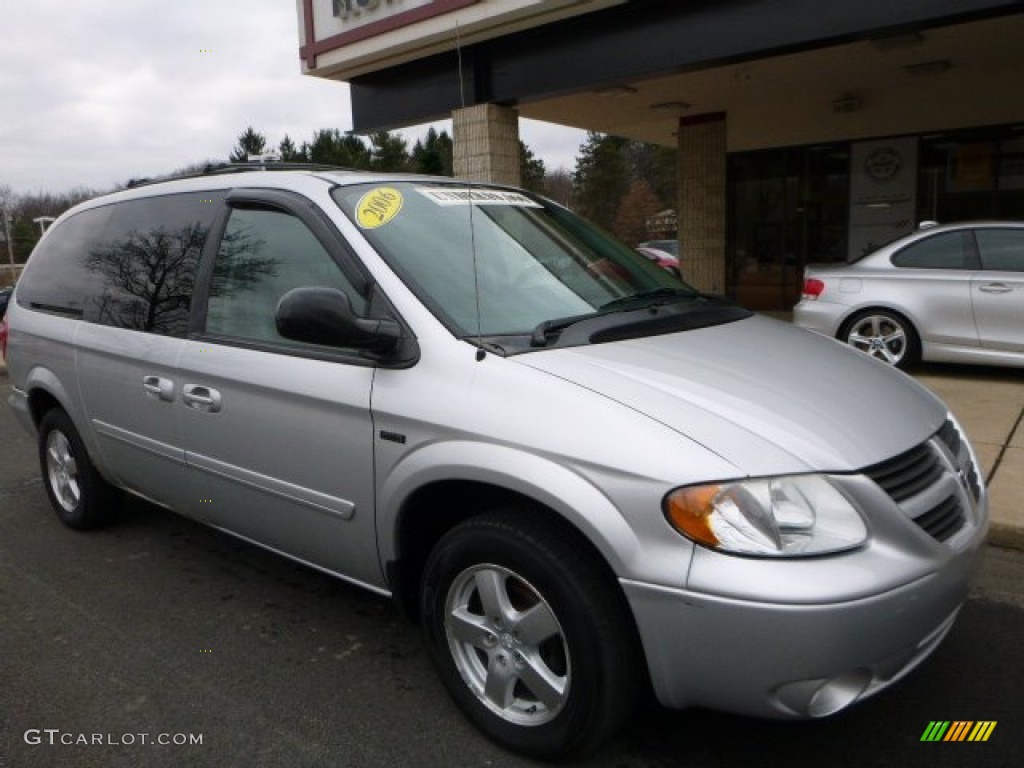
(884,335)
(530,634)
(82,499)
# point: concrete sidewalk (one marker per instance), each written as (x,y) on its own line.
(989,403)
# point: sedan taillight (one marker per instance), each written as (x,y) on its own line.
(813,288)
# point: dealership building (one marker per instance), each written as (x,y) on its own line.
(806,132)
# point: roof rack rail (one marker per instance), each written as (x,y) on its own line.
(264,164)
(270,165)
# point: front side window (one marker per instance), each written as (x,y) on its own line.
(1001,249)
(496,262)
(264,254)
(943,251)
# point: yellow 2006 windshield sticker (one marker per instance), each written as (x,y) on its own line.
(378,206)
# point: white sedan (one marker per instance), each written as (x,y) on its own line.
(952,293)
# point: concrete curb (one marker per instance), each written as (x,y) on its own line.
(1006,536)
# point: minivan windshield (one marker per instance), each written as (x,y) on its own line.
(496,262)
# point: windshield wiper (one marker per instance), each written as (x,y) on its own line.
(655,293)
(542,333)
(539,337)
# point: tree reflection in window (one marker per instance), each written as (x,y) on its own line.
(247,283)
(149,275)
(149,278)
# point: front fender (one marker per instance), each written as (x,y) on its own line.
(552,484)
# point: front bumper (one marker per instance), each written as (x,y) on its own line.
(792,660)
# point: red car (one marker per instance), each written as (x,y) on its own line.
(663,259)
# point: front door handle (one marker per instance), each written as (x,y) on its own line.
(206,399)
(159,387)
(995,288)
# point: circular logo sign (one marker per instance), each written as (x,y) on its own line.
(883,164)
(378,206)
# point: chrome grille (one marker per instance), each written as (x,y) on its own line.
(913,472)
(950,436)
(907,474)
(943,520)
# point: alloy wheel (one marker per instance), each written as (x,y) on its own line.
(508,645)
(880,336)
(62,471)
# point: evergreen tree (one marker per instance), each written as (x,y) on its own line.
(601,178)
(531,169)
(433,155)
(250,142)
(388,152)
(655,165)
(332,147)
(289,152)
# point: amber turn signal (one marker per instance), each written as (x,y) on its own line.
(689,511)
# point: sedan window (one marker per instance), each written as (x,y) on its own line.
(1001,249)
(944,251)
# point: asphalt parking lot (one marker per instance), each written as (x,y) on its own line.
(161,629)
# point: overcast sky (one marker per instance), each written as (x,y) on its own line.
(97,92)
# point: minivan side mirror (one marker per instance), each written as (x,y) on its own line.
(318,315)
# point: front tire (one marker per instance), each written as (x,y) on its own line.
(885,335)
(530,634)
(81,498)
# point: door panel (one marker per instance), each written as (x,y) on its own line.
(278,434)
(287,458)
(934,276)
(998,291)
(135,428)
(999,309)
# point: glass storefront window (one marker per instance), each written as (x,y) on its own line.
(972,175)
(791,207)
(787,208)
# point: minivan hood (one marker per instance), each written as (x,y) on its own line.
(765,396)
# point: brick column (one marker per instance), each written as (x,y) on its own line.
(487,144)
(702,170)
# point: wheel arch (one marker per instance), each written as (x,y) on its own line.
(45,392)
(866,309)
(914,345)
(421,503)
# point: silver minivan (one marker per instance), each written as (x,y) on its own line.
(582,477)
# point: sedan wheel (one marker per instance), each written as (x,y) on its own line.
(885,336)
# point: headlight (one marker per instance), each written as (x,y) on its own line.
(777,516)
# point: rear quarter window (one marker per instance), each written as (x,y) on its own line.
(56,278)
(948,250)
(129,265)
